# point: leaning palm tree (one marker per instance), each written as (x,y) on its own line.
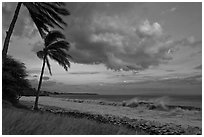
(44,15)
(55,48)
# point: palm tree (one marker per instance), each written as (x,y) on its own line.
(44,15)
(55,48)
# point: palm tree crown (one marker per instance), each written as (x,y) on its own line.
(55,48)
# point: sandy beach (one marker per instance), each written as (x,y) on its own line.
(179,117)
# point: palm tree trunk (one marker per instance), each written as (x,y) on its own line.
(9,32)
(39,85)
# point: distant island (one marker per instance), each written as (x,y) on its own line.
(32,92)
(62,93)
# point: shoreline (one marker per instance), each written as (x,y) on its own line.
(148,105)
(101,114)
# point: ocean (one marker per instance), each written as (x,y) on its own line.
(174,100)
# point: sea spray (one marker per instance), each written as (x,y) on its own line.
(132,103)
(156,103)
(161,102)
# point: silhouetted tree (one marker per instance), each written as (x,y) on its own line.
(13,79)
(55,48)
(44,15)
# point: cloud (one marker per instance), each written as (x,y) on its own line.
(24,25)
(188,41)
(170,70)
(197,79)
(198,67)
(105,34)
(35,76)
(173,9)
(197,53)
(7,13)
(148,30)
(46,78)
(117,42)
(170,81)
(36,71)
(45,83)
(192,80)
(169,10)
(37,46)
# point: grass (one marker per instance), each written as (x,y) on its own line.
(17,121)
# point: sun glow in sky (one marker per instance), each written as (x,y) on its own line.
(118,48)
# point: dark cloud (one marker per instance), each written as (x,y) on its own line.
(194,79)
(119,44)
(46,78)
(102,33)
(99,35)
(7,13)
(189,41)
(83,73)
(35,76)
(198,53)
(24,25)
(170,70)
(135,72)
(198,67)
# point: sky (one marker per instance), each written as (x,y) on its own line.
(118,48)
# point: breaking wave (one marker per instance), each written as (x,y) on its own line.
(160,103)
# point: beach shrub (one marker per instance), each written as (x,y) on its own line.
(13,79)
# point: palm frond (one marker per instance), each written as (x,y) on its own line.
(61,52)
(57,7)
(48,20)
(53,17)
(48,65)
(53,36)
(40,23)
(47,14)
(61,60)
(50,12)
(59,44)
(40,54)
(32,7)
(59,3)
